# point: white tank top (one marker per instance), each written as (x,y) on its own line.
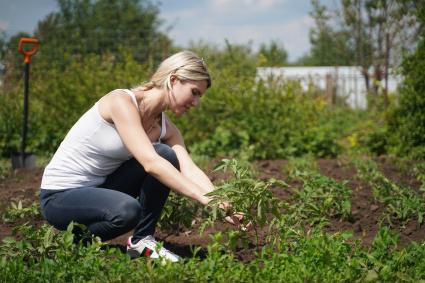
(91,150)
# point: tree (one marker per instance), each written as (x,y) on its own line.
(407,124)
(381,30)
(329,47)
(272,55)
(103,26)
(371,34)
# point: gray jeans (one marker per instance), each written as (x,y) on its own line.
(112,209)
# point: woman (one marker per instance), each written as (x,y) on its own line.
(125,147)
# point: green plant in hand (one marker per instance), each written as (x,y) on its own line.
(245,194)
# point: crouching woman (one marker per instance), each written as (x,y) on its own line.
(115,167)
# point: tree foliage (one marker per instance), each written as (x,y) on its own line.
(407,124)
(85,27)
(329,47)
(272,54)
(372,34)
(381,31)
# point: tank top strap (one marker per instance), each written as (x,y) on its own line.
(132,95)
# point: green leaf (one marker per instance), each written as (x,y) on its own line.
(371,275)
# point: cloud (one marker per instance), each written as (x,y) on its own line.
(242,22)
(182,13)
(293,34)
(224,5)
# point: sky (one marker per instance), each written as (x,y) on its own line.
(212,21)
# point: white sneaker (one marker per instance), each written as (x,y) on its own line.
(148,247)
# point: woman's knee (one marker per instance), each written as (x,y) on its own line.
(168,153)
(126,214)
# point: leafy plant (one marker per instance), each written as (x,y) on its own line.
(245,194)
(178,213)
(5,168)
(39,254)
(419,171)
(401,203)
(320,198)
(388,263)
(18,211)
(295,165)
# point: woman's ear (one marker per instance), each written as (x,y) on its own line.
(173,80)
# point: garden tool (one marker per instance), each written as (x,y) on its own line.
(28,47)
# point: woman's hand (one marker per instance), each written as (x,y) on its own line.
(235,218)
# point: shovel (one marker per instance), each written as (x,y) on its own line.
(22,159)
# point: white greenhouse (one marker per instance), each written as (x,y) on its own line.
(346,82)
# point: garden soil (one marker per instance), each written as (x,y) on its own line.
(23,185)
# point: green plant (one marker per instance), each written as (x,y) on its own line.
(388,263)
(178,213)
(18,211)
(245,194)
(313,256)
(320,198)
(295,165)
(419,171)
(401,203)
(40,254)
(37,241)
(5,168)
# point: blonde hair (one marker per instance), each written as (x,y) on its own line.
(185,65)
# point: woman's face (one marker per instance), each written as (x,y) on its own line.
(185,94)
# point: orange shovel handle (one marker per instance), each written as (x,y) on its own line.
(28,53)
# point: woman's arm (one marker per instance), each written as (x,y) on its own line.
(187,167)
(190,170)
(121,110)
